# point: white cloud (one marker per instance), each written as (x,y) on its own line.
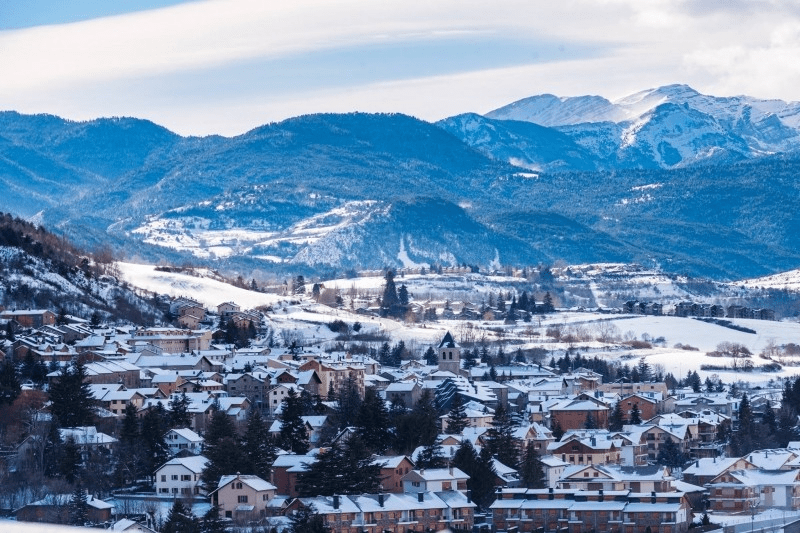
(204,67)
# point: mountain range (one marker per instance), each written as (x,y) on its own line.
(668,177)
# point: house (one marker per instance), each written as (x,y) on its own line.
(579,450)
(378,513)
(732,491)
(30,318)
(285,470)
(434,479)
(573,413)
(393,468)
(180,476)
(244,498)
(54,509)
(599,510)
(406,393)
(183,439)
(702,471)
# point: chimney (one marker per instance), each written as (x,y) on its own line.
(380,499)
(451,469)
(336,501)
(594,441)
(420,497)
(600,496)
(469,496)
(551,495)
(653,497)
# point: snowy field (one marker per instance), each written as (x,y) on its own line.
(307,321)
(209,292)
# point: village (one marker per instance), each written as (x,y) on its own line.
(466,437)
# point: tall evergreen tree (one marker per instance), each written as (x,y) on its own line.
(79,507)
(373,422)
(221,448)
(293,435)
(390,302)
(71,397)
(636,414)
(180,520)
(500,439)
(590,422)
(258,446)
(346,468)
(744,439)
(179,411)
(457,418)
(430,357)
(71,462)
(307,520)
(617,419)
(212,522)
(10,388)
(669,454)
(431,456)
(481,472)
(531,469)
(153,449)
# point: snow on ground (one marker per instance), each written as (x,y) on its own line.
(209,292)
(785,280)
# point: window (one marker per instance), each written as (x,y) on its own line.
(238,485)
(174,477)
(415,483)
(186,477)
(163,478)
(242,498)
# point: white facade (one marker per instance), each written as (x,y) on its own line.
(181,476)
(178,440)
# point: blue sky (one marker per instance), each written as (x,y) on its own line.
(226,66)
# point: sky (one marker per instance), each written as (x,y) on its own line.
(226,66)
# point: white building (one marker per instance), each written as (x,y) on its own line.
(178,440)
(181,476)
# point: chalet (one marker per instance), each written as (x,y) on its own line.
(183,440)
(435,479)
(244,498)
(180,476)
(54,509)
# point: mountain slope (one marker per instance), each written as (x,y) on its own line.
(369,191)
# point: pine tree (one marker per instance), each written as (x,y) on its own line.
(547,304)
(743,440)
(636,414)
(259,449)
(221,448)
(79,507)
(346,468)
(212,522)
(430,357)
(70,466)
(71,397)
(179,411)
(617,419)
(307,520)
(481,472)
(431,456)
(373,422)
(471,358)
(403,296)
(180,520)
(10,388)
(457,418)
(531,470)
(390,302)
(557,430)
(293,435)
(590,422)
(669,454)
(500,439)
(153,449)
